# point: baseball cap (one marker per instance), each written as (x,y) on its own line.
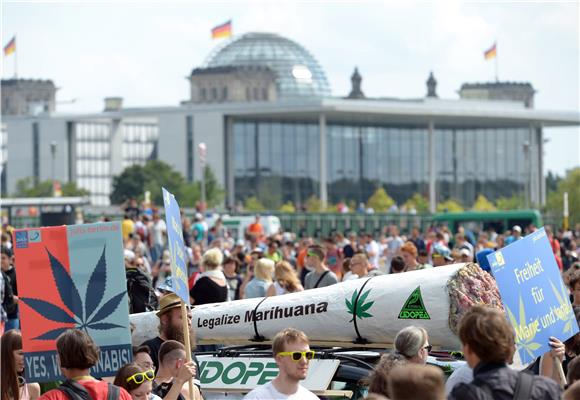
(442,251)
(517,228)
(129,255)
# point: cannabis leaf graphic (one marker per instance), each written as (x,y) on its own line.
(569,318)
(523,341)
(88,317)
(361,306)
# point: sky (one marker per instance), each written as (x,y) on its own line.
(144,50)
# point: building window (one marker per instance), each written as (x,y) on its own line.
(256,94)
(224,93)
(203,94)
(248,94)
(264,94)
(214,96)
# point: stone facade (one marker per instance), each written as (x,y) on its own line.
(232,84)
(513,91)
(27,96)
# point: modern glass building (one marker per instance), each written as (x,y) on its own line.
(300,142)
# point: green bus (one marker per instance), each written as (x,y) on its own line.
(478,221)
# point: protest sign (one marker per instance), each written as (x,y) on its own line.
(533,293)
(176,246)
(72,277)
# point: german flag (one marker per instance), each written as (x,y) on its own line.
(491,52)
(222,31)
(10,47)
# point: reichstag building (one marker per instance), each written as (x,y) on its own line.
(262,104)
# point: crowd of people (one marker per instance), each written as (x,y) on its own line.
(224,268)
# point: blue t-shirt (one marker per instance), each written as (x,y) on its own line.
(256,288)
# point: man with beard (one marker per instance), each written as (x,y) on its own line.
(292,354)
(171,328)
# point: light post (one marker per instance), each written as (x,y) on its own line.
(53,146)
(202,149)
(527,194)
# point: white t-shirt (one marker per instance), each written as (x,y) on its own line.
(269,392)
(159,229)
(373,247)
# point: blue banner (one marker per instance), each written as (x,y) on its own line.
(176,246)
(535,298)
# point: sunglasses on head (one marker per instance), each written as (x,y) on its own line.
(140,377)
(428,348)
(310,254)
(297,355)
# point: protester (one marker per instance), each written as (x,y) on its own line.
(416,382)
(142,357)
(170,327)
(488,345)
(7,265)
(140,291)
(285,280)
(292,355)
(347,274)
(12,382)
(255,229)
(212,286)
(573,392)
(262,279)
(372,249)
(273,253)
(378,380)
(233,277)
(412,343)
(397,265)
(320,275)
(361,267)
(171,372)
(441,255)
(409,254)
(137,382)
(573,371)
(77,354)
(7,299)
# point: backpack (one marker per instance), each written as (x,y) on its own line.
(140,291)
(75,391)
(522,391)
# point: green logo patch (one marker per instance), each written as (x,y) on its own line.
(414,307)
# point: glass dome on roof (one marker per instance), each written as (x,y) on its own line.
(298,74)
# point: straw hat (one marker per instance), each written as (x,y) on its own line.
(168,302)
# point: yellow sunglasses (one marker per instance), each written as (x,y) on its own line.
(140,377)
(297,355)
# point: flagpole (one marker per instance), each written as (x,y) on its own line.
(15,60)
(496,57)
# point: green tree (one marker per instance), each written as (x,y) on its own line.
(26,187)
(483,204)
(571,185)
(288,207)
(418,202)
(449,205)
(514,202)
(313,204)
(380,201)
(253,204)
(135,180)
(552,181)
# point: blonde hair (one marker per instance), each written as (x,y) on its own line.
(212,258)
(285,275)
(264,269)
(288,335)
